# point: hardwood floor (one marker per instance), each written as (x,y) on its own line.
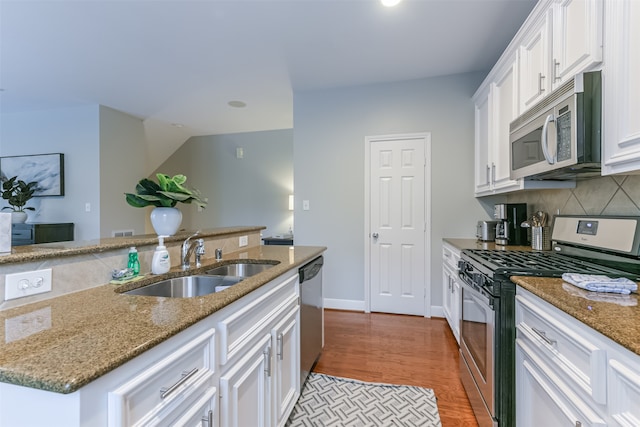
(397,349)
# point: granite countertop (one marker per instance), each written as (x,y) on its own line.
(613,315)
(63,343)
(59,249)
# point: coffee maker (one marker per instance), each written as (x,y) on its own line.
(508,229)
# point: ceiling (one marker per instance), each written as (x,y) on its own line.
(180,62)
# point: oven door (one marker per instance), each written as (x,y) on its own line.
(477,329)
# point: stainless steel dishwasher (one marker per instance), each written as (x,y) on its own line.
(311,316)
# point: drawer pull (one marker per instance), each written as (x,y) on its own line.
(164,392)
(208,419)
(543,335)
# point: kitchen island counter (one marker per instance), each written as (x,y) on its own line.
(64,343)
(613,315)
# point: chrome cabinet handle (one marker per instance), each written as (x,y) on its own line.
(540,79)
(267,360)
(208,419)
(556,68)
(280,346)
(375,235)
(543,335)
(493,172)
(488,175)
(164,392)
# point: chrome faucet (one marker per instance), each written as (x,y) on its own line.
(188,249)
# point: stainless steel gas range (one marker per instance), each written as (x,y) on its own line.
(607,245)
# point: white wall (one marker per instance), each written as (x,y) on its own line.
(328,139)
(249,191)
(73,132)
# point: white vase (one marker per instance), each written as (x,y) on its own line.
(166,221)
(18,217)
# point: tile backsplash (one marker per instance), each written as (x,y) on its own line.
(609,195)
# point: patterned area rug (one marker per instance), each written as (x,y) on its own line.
(340,402)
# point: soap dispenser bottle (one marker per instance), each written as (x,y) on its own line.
(160,263)
(134,262)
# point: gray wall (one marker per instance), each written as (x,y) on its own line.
(122,164)
(252,190)
(73,132)
(329,131)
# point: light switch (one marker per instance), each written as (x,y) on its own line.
(305,205)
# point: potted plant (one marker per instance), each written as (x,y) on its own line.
(17,193)
(164,195)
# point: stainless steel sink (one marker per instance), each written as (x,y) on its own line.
(187,286)
(240,269)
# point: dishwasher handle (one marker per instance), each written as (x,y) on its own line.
(311,270)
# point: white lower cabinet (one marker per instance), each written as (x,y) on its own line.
(238,367)
(568,374)
(286,369)
(451,293)
(245,388)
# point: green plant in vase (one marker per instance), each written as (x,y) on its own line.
(17,193)
(164,195)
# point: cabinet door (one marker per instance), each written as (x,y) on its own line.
(577,38)
(542,399)
(286,361)
(534,62)
(456,302)
(482,168)
(503,110)
(446,292)
(621,142)
(245,389)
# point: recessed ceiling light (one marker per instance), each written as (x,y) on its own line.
(390,3)
(237,104)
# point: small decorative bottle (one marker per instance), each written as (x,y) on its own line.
(134,263)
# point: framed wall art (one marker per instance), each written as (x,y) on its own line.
(46,169)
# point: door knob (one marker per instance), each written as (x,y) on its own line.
(374,235)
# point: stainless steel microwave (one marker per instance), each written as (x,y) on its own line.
(559,138)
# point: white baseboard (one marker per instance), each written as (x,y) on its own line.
(344,304)
(437,311)
(355,305)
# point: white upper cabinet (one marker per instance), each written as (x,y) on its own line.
(495,107)
(621,102)
(577,38)
(534,52)
(560,41)
(482,162)
(504,109)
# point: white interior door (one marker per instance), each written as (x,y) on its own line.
(397,224)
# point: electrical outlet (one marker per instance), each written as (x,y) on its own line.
(243,241)
(18,285)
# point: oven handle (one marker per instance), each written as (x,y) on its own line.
(485,298)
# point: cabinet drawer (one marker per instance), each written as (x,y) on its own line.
(450,256)
(241,329)
(565,344)
(157,391)
(544,399)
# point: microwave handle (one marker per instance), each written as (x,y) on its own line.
(544,142)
